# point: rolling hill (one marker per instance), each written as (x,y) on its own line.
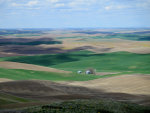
(81,60)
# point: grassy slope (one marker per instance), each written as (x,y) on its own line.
(119,62)
(6,99)
(107,62)
(18,74)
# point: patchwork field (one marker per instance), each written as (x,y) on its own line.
(82,60)
(39,67)
(33,42)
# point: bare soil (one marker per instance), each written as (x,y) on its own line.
(131,84)
(131,88)
(15,65)
(5,80)
(108,45)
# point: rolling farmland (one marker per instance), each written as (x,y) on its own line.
(39,68)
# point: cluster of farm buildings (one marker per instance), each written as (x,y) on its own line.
(88,71)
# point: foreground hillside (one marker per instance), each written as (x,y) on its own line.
(132,88)
(137,84)
(86,106)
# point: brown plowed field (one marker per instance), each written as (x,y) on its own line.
(131,84)
(15,65)
(133,88)
(5,80)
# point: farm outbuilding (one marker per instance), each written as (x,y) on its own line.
(88,72)
(79,72)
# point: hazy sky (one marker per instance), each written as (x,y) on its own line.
(74,13)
